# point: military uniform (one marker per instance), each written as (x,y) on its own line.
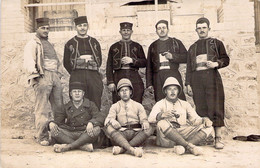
(206,84)
(82,59)
(159,68)
(41,61)
(115,70)
(73,121)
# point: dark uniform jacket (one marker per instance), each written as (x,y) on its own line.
(71,53)
(77,119)
(116,53)
(176,48)
(215,52)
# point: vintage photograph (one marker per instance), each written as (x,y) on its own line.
(130,83)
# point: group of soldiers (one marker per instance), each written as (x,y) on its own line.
(79,124)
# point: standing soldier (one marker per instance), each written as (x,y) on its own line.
(82,59)
(124,59)
(42,63)
(205,57)
(164,57)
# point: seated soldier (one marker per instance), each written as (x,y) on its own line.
(126,123)
(178,124)
(78,126)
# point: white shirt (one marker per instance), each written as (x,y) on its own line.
(187,115)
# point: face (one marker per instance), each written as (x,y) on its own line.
(126,34)
(82,29)
(162,30)
(43,31)
(125,93)
(77,94)
(172,92)
(202,29)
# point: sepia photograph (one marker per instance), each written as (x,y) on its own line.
(130,83)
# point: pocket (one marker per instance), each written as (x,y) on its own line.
(34,82)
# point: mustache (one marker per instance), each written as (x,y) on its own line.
(202,32)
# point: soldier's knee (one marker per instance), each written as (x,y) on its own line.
(163,125)
(110,129)
(96,131)
(149,131)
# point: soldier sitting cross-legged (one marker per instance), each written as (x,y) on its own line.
(78,127)
(126,123)
(178,125)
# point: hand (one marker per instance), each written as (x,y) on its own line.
(189,90)
(111,87)
(207,122)
(126,60)
(115,124)
(90,129)
(54,128)
(211,64)
(150,89)
(167,55)
(167,114)
(146,125)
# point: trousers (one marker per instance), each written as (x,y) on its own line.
(48,92)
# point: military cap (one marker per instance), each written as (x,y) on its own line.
(203,20)
(42,22)
(126,25)
(171,81)
(162,21)
(76,85)
(80,20)
(123,83)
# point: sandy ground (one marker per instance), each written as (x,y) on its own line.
(20,153)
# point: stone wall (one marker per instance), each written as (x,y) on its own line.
(236,30)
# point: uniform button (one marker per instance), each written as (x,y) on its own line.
(81,117)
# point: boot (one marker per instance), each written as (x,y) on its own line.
(118,150)
(138,152)
(179,150)
(195,150)
(218,143)
(87,147)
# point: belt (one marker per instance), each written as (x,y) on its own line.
(201,66)
(132,126)
(129,68)
(87,67)
(82,64)
(164,64)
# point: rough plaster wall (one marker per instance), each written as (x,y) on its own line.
(239,78)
